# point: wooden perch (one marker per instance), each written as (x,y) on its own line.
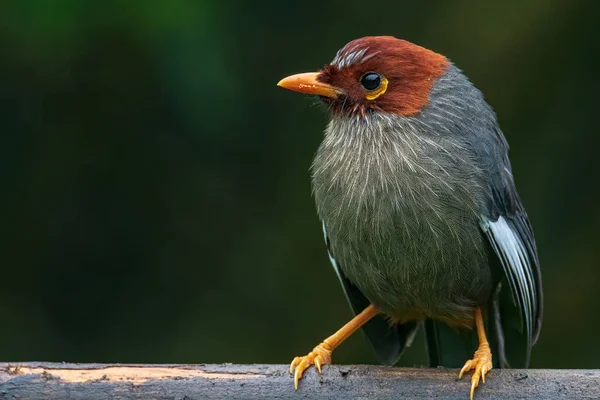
(49,381)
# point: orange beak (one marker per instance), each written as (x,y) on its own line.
(308,83)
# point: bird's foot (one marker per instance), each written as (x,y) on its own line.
(481,363)
(321,355)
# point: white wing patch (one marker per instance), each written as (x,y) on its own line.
(333,262)
(517,266)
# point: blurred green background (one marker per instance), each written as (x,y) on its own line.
(156,202)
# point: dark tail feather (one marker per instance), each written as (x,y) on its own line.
(510,339)
(449,347)
(389,342)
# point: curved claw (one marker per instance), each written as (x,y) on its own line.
(481,363)
(304,364)
(321,355)
(295,362)
(465,368)
(318,363)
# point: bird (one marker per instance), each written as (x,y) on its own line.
(422,220)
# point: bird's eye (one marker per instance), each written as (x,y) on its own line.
(370,81)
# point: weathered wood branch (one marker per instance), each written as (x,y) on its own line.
(49,381)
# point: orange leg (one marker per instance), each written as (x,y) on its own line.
(321,355)
(482,360)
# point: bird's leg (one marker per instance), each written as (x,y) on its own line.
(321,354)
(482,360)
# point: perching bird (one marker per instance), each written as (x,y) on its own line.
(422,219)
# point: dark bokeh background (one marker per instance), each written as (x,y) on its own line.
(156,200)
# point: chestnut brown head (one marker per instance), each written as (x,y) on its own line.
(374,73)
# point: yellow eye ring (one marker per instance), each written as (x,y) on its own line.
(379,91)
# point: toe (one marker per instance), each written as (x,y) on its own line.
(294,363)
(484,370)
(297,375)
(300,368)
(467,367)
(474,381)
(321,355)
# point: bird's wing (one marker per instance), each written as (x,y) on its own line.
(512,240)
(388,342)
(511,237)
(514,314)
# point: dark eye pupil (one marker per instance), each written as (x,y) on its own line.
(370,81)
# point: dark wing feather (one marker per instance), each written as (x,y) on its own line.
(514,247)
(387,341)
(511,237)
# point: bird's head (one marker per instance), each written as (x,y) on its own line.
(374,74)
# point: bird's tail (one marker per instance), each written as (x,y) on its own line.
(449,347)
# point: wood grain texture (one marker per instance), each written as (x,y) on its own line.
(49,381)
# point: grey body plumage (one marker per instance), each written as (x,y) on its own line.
(422,220)
(410,203)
